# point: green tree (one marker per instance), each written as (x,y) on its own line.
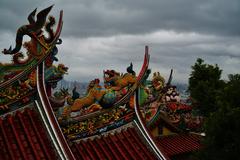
(231,93)
(204,86)
(222,140)
(222,127)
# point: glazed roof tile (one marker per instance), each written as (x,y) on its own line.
(23,136)
(126,144)
(179,143)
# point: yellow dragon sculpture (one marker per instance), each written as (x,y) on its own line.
(116,82)
(113,82)
(94,94)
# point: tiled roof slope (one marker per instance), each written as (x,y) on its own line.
(126,144)
(179,144)
(23,136)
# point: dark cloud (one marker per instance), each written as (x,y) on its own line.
(14,13)
(100,18)
(88,57)
(107,34)
(86,18)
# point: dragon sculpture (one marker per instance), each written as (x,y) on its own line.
(18,78)
(116,82)
(94,95)
(36,48)
(116,86)
(55,72)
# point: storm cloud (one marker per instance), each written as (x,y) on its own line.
(107,34)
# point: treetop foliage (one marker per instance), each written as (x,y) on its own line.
(204,85)
(219,101)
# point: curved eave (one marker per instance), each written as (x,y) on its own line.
(49,118)
(141,125)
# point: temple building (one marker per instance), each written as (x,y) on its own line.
(128,116)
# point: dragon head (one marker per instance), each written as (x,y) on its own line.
(110,76)
(94,83)
(62,68)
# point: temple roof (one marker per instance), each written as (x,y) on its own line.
(127,144)
(23,136)
(177,144)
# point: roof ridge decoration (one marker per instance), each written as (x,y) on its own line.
(39,48)
(104,134)
(116,114)
(34,28)
(18,78)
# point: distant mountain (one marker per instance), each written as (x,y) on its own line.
(81,87)
(181,87)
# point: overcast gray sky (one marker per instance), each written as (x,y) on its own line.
(108,34)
